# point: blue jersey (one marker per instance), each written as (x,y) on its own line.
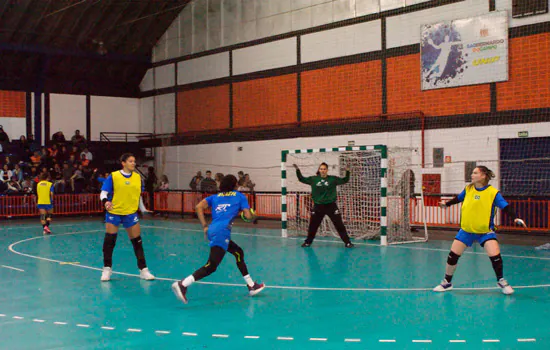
(225,207)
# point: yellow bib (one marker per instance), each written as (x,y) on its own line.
(478,210)
(126,193)
(43,190)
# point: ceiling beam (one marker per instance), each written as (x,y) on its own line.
(19,10)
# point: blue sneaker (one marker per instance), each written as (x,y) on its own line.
(444,286)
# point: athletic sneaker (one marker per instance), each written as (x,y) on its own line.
(106,274)
(255,289)
(505,287)
(444,286)
(144,274)
(47,230)
(350,245)
(306,244)
(180,291)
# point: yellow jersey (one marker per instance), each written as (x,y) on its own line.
(478,208)
(126,192)
(44,190)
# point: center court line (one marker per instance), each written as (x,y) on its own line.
(242,285)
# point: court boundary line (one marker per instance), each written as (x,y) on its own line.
(11,249)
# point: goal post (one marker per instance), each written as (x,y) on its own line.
(375,203)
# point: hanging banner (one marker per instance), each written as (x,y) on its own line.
(465,51)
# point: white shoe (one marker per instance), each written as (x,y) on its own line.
(144,274)
(505,287)
(106,274)
(444,286)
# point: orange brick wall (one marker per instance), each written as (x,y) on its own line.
(12,104)
(265,101)
(342,92)
(203,109)
(529,74)
(405,94)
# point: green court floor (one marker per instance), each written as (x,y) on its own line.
(324,297)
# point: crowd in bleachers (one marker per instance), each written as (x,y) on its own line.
(212,185)
(69,164)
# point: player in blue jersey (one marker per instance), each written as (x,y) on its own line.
(226,205)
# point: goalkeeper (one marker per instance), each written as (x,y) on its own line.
(323,193)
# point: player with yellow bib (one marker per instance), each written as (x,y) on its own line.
(479,202)
(126,187)
(44,193)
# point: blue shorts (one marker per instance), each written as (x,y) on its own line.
(469,238)
(219,238)
(126,220)
(45,206)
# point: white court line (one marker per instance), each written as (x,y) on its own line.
(527,340)
(491,340)
(83,325)
(189,334)
(60,323)
(285,338)
(38,321)
(318,339)
(421,341)
(18,317)
(162,332)
(2,315)
(352,340)
(457,341)
(251,337)
(12,268)
(31,226)
(108,328)
(220,336)
(387,341)
(241,285)
(133,330)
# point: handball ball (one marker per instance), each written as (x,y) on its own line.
(244,217)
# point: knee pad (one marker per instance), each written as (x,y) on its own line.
(452,259)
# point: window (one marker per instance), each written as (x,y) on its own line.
(524,8)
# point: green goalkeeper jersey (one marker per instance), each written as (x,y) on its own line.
(323,190)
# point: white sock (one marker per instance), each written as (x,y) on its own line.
(249,280)
(188,281)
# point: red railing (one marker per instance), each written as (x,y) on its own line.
(536,213)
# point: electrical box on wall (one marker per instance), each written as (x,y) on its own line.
(239,149)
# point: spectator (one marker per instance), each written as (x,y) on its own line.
(23,146)
(13,186)
(54,151)
(241,184)
(75,153)
(87,173)
(18,173)
(5,174)
(36,159)
(33,145)
(150,184)
(59,138)
(4,140)
(43,151)
(208,184)
(164,186)
(62,155)
(87,153)
(77,180)
(218,178)
(195,183)
(33,173)
(85,162)
(248,183)
(57,178)
(67,173)
(46,160)
(78,140)
(8,162)
(72,161)
(27,185)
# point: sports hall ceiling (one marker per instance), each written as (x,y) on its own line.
(80,46)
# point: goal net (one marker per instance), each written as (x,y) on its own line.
(375,203)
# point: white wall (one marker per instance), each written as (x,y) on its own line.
(261,159)
(203,68)
(67,114)
(147,114)
(276,54)
(113,114)
(14,127)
